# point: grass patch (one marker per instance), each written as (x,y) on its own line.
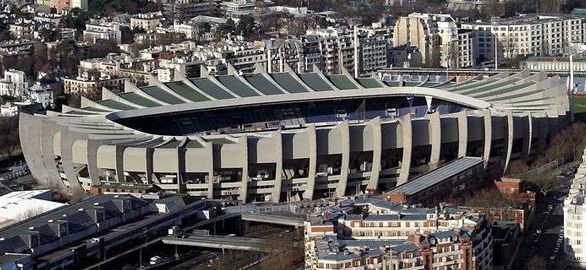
(579,104)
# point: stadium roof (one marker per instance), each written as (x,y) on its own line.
(438,175)
(520,93)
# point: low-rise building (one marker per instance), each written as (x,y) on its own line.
(42,94)
(553,63)
(176,9)
(147,22)
(405,56)
(449,180)
(394,236)
(20,205)
(14,83)
(527,34)
(97,30)
(238,8)
(85,83)
(98,227)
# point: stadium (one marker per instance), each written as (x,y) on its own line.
(287,136)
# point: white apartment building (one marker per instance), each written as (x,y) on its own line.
(23,29)
(337,49)
(101,30)
(81,4)
(421,31)
(527,34)
(427,32)
(467,51)
(238,8)
(373,52)
(574,218)
(179,69)
(147,21)
(85,83)
(14,83)
(41,94)
(448,34)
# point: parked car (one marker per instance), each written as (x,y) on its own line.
(158,259)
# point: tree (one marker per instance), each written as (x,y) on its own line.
(48,35)
(517,167)
(226,28)
(285,254)
(201,28)
(245,26)
(546,182)
(127,35)
(536,263)
(9,137)
(76,18)
(77,195)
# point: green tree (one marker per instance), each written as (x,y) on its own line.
(226,28)
(76,18)
(201,29)
(245,26)
(48,34)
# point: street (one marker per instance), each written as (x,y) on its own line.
(544,238)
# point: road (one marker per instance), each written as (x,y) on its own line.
(542,238)
(203,259)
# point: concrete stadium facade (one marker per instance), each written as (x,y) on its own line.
(498,118)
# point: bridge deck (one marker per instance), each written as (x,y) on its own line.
(274,219)
(216,241)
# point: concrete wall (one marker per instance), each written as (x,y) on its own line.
(276,147)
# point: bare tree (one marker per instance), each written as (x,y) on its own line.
(77,195)
(537,263)
(517,167)
(9,137)
(546,182)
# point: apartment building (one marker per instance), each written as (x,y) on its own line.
(23,29)
(14,83)
(413,238)
(246,58)
(137,70)
(238,8)
(179,68)
(147,22)
(421,31)
(574,221)
(97,30)
(59,5)
(185,9)
(373,51)
(467,50)
(284,51)
(448,35)
(527,34)
(337,49)
(312,56)
(85,83)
